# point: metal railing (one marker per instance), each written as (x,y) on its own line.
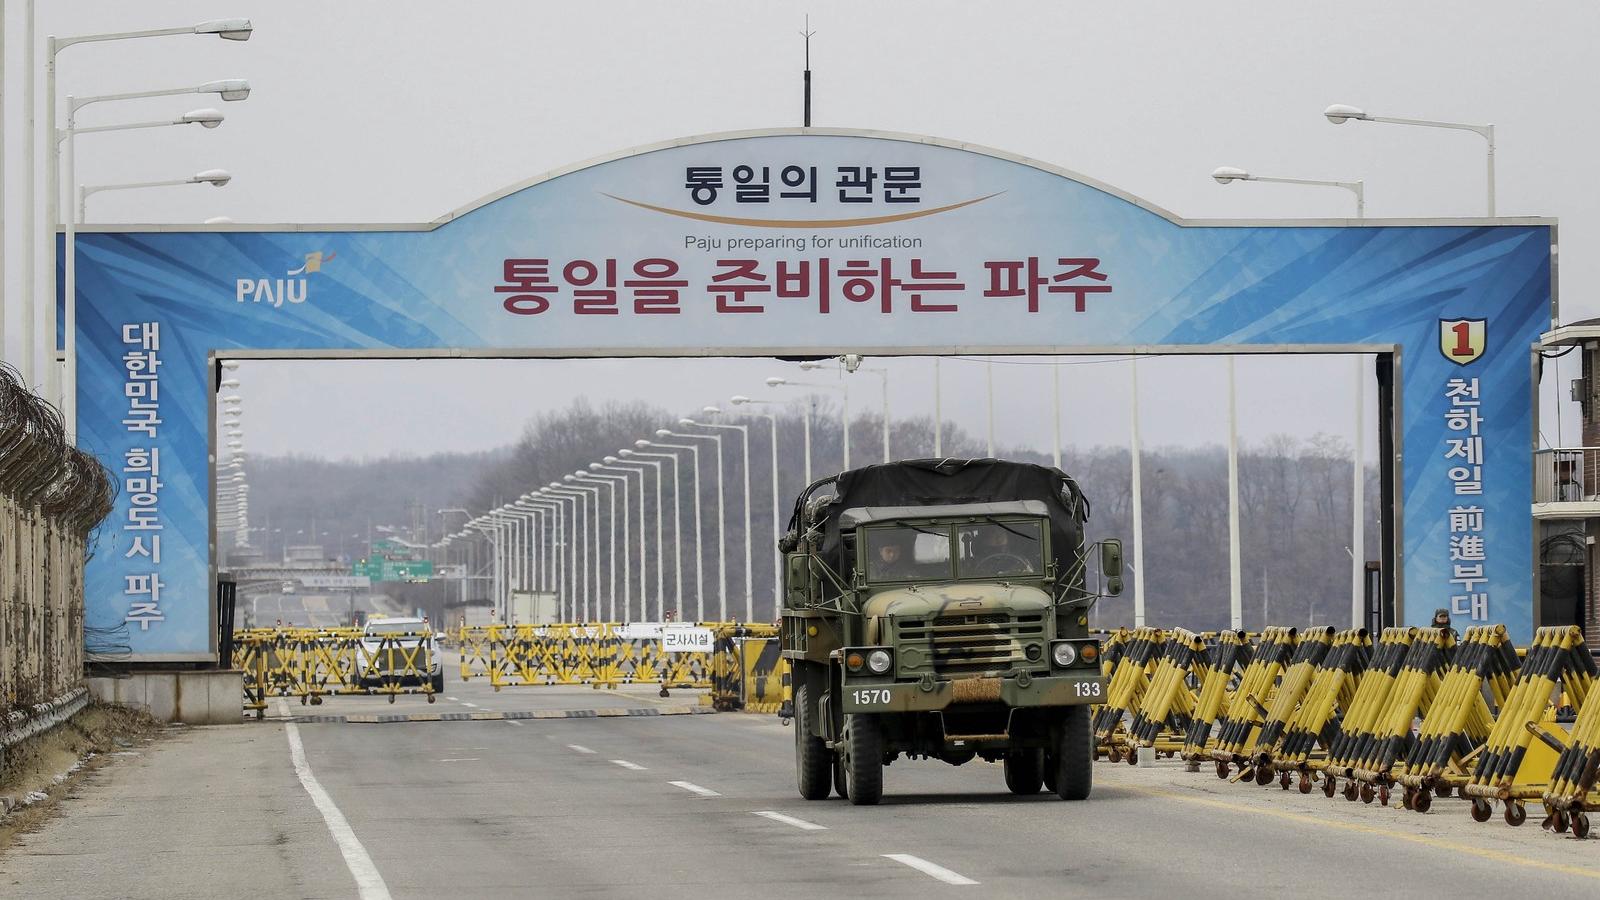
(1558,475)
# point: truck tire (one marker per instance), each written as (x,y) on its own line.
(1024,774)
(813,762)
(1075,755)
(438,683)
(863,761)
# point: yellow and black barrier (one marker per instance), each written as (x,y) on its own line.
(1421,710)
(311,663)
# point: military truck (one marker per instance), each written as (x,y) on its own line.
(939,609)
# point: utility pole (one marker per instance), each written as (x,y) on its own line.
(807,33)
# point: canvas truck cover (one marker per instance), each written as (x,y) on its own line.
(945,482)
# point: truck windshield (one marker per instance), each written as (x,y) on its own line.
(1000,550)
(908,553)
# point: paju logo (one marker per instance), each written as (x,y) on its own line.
(277,291)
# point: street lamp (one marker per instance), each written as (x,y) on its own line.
(609,483)
(1230,174)
(772,421)
(206,118)
(627,558)
(677,516)
(844,416)
(227,29)
(579,585)
(661,556)
(850,366)
(744,434)
(805,421)
(722,516)
(213,177)
(1340,113)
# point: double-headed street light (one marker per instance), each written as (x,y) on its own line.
(1340,113)
(1230,174)
(677,515)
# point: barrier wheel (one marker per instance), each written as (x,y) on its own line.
(1559,822)
(1481,810)
(1422,800)
(1132,758)
(1285,779)
(1329,786)
(432,697)
(391,699)
(1516,813)
(1263,775)
(1580,825)
(302,699)
(1383,795)
(1367,793)
(1350,791)
(1406,796)
(1222,770)
(1441,790)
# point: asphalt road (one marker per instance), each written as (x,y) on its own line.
(704,806)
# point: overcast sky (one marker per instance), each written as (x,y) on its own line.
(401,110)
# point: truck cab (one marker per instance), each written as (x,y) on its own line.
(951,631)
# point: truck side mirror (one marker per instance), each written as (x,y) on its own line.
(1111,565)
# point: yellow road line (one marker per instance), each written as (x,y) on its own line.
(1424,840)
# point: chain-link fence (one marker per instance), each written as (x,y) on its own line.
(51,496)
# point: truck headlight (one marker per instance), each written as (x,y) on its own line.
(878,661)
(1064,654)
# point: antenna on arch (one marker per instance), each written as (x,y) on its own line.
(807,33)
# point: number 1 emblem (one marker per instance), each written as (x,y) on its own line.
(1462,340)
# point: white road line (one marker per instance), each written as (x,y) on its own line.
(581,749)
(451,699)
(461,759)
(801,824)
(633,767)
(472,705)
(929,869)
(512,722)
(369,884)
(693,788)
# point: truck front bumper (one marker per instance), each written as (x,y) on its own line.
(934,694)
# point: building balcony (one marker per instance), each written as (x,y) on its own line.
(1561,487)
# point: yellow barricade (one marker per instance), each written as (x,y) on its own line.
(311,663)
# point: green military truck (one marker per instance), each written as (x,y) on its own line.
(940,609)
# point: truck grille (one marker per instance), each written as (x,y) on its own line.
(975,644)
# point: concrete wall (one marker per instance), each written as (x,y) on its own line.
(212,697)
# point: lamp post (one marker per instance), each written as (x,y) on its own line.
(206,118)
(844,414)
(627,558)
(722,528)
(883,377)
(590,492)
(1340,113)
(805,419)
(612,464)
(661,556)
(214,177)
(609,483)
(772,421)
(227,29)
(576,535)
(744,435)
(1230,174)
(677,515)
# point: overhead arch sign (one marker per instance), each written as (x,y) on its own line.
(821,242)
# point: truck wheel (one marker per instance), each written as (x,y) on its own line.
(813,763)
(1075,755)
(1024,773)
(438,683)
(863,761)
